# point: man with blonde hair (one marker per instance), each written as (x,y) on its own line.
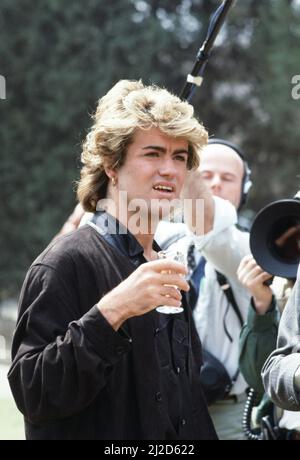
(92,358)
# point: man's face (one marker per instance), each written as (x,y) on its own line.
(155,167)
(222,169)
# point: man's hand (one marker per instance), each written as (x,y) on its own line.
(253,277)
(150,285)
(196,189)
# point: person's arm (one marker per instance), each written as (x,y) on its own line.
(253,278)
(224,246)
(257,340)
(258,335)
(63,358)
(199,209)
(281,370)
(212,221)
(155,283)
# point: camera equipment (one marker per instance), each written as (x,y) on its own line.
(275,237)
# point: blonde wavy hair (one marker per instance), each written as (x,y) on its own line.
(129,106)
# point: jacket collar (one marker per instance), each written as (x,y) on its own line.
(117,235)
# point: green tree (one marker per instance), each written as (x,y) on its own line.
(59,57)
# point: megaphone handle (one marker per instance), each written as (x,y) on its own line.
(269,281)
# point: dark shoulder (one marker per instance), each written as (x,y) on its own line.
(71,260)
(75,247)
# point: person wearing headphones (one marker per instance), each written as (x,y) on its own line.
(220,303)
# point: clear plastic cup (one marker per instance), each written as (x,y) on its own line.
(178,256)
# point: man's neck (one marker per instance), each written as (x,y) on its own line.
(145,237)
(146,241)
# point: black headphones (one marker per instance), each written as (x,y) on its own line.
(246,181)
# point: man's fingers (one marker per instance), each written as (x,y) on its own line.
(254,276)
(264,276)
(169,301)
(247,268)
(167,265)
(248,259)
(171,291)
(172,279)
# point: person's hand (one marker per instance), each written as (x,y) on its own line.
(253,277)
(150,285)
(194,189)
(193,176)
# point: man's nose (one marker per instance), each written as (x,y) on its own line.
(167,167)
(216,181)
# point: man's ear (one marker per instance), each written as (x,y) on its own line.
(111,173)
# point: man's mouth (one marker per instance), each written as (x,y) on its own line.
(164,188)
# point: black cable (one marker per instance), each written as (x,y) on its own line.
(251,434)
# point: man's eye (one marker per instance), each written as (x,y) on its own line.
(206,175)
(152,154)
(181,158)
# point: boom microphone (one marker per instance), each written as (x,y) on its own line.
(195,78)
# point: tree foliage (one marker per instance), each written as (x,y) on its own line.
(59,57)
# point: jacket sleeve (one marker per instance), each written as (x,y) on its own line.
(279,370)
(225,245)
(61,359)
(257,341)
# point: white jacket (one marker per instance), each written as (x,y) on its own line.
(223,247)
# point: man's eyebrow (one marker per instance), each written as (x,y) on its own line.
(222,173)
(163,150)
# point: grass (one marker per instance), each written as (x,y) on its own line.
(11,421)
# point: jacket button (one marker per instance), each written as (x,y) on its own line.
(183,422)
(120,350)
(158,396)
(178,370)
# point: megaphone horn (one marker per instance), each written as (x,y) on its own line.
(275,237)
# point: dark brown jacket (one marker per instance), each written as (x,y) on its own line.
(74,377)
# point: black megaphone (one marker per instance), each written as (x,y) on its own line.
(275,237)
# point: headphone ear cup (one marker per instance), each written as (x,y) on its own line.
(247,186)
(247,183)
